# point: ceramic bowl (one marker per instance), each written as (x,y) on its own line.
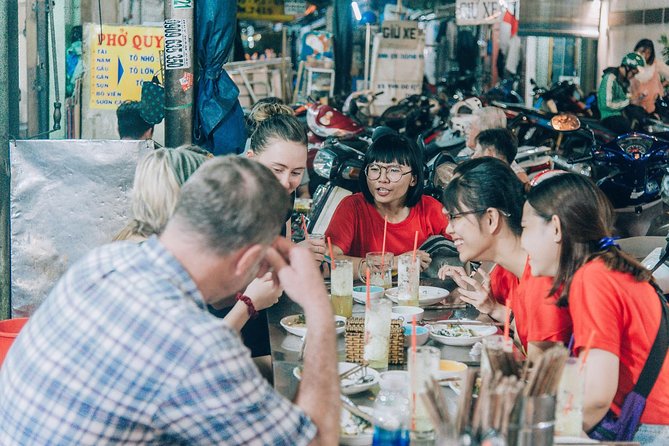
(422,335)
(451,369)
(405,313)
(360,293)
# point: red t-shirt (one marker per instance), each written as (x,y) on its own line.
(502,283)
(625,315)
(357,227)
(538,318)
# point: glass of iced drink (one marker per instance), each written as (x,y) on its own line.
(569,411)
(423,364)
(380,269)
(377,332)
(408,279)
(341,288)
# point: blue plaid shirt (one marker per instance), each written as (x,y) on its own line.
(123,351)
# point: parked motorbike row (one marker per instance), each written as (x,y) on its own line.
(630,169)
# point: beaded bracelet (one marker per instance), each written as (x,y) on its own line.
(253,313)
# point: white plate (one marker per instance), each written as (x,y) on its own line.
(301,330)
(480,330)
(364,439)
(427,295)
(347,386)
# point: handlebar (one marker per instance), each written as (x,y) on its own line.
(581,159)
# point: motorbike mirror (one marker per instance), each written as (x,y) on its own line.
(565,122)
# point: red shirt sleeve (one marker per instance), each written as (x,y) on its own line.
(538,318)
(435,216)
(341,229)
(502,284)
(593,306)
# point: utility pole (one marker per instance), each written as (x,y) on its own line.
(179,62)
(9,129)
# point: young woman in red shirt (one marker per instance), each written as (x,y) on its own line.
(568,226)
(391,184)
(484,202)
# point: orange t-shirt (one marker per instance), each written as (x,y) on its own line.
(538,318)
(625,315)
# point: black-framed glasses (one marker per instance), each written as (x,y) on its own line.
(393,173)
(454,215)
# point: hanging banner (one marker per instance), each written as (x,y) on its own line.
(294,7)
(271,10)
(121,58)
(482,12)
(397,64)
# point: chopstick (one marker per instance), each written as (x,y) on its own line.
(446,307)
(350,371)
(461,322)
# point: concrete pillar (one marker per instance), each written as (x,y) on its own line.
(9,128)
(179,101)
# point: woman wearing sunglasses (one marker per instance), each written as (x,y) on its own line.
(484,203)
(391,185)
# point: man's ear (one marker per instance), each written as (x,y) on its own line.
(248,258)
(556,228)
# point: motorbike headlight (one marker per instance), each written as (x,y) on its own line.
(324,163)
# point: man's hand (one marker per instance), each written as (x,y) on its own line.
(424,257)
(298,273)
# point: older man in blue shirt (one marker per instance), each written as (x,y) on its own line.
(123,350)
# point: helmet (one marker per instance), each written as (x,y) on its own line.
(633,60)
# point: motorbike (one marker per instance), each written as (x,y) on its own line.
(631,170)
(563,97)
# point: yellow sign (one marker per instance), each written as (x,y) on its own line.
(271,10)
(122,57)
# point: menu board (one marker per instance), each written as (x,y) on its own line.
(271,10)
(121,58)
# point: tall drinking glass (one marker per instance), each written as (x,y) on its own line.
(380,269)
(341,287)
(377,332)
(408,279)
(422,366)
(569,413)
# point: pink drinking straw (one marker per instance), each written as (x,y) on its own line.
(332,263)
(383,246)
(304,227)
(588,346)
(415,247)
(369,300)
(413,334)
(507,319)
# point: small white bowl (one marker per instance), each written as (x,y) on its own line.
(451,369)
(422,335)
(360,293)
(406,312)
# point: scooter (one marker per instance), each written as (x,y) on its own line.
(630,170)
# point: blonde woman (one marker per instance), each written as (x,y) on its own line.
(157,184)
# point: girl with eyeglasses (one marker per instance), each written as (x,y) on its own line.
(391,185)
(567,231)
(484,203)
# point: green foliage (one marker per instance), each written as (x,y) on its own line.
(664,40)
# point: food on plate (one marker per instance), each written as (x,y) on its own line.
(297,321)
(454,331)
(353,425)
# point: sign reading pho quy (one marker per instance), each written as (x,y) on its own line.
(121,58)
(482,12)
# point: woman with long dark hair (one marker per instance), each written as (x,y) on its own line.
(484,202)
(648,85)
(615,307)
